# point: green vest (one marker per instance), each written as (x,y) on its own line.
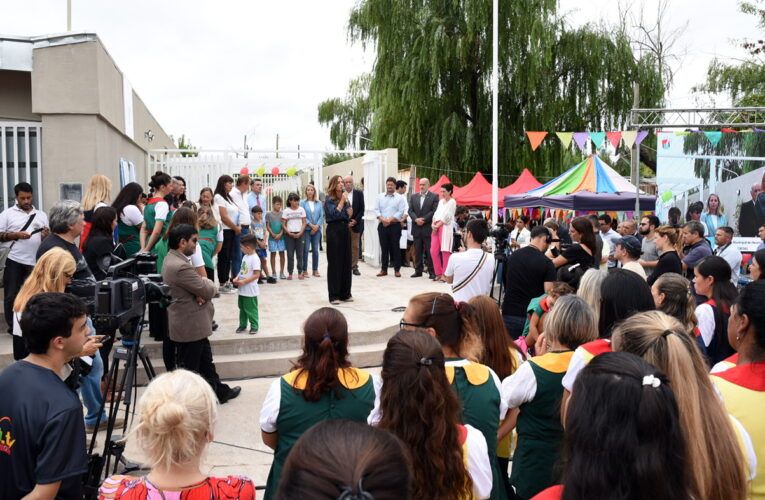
(480,408)
(354,400)
(149,220)
(207,240)
(129,237)
(540,433)
(161,249)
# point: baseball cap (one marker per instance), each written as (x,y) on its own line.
(631,245)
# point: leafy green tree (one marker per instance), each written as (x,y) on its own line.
(744,81)
(349,119)
(429,91)
(184,143)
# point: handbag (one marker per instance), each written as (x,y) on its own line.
(5,251)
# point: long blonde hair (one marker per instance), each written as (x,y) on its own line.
(99,190)
(589,289)
(50,274)
(716,460)
(176,418)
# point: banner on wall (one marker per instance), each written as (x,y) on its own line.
(127,172)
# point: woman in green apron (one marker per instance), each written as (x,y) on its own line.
(156,213)
(323,386)
(130,218)
(181,216)
(478,387)
(533,393)
(210,239)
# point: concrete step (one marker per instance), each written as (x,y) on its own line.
(269,364)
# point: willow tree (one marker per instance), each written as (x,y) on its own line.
(429,90)
(744,81)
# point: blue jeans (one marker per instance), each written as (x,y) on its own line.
(312,242)
(90,390)
(514,325)
(236,254)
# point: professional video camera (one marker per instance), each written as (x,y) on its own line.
(129,286)
(500,233)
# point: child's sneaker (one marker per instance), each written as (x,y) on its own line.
(241,329)
(271,280)
(300,276)
(282,276)
(289,277)
(253,331)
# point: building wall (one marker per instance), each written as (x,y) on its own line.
(354,165)
(16,96)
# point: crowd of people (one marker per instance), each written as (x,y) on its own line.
(625,360)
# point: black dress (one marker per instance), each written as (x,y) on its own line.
(338,251)
(669,262)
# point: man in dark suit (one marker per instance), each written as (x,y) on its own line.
(421,211)
(190,316)
(356,198)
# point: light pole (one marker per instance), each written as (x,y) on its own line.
(68,15)
(495,114)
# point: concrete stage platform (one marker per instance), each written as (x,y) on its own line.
(284,306)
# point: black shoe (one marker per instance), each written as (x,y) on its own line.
(271,280)
(432,276)
(233,393)
(356,272)
(416,275)
(214,325)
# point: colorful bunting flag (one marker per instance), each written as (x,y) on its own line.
(565,138)
(597,138)
(642,134)
(759,129)
(714,138)
(535,138)
(581,139)
(629,137)
(614,138)
(683,132)
(729,130)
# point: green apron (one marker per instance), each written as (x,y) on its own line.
(207,240)
(540,434)
(480,400)
(150,220)
(129,237)
(354,401)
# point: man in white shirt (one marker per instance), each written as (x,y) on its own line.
(404,241)
(728,251)
(520,236)
(610,236)
(470,272)
(238,197)
(256,197)
(23,227)
(627,252)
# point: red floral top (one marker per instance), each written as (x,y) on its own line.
(212,488)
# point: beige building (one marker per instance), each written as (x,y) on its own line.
(68,112)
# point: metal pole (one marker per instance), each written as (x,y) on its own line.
(68,15)
(495,114)
(635,155)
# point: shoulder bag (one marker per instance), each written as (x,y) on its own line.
(5,251)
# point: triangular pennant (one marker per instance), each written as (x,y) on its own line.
(535,138)
(642,134)
(629,137)
(730,130)
(759,129)
(683,132)
(614,138)
(581,139)
(565,138)
(714,137)
(597,138)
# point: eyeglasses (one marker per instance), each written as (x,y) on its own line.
(402,324)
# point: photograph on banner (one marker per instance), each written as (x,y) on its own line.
(742,199)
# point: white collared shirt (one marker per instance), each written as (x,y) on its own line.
(11,221)
(241,203)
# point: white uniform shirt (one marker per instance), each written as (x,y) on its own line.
(732,256)
(242,206)
(462,264)
(12,220)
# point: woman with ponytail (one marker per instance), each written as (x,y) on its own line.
(450,461)
(175,423)
(322,386)
(534,392)
(157,211)
(623,436)
(711,435)
(712,280)
(672,294)
(477,386)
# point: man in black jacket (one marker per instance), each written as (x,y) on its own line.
(356,198)
(421,210)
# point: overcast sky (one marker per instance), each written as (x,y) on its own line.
(216,71)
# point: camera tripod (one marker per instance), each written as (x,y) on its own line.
(122,391)
(500,258)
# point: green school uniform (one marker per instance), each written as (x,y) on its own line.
(480,400)
(150,220)
(539,429)
(129,237)
(207,240)
(353,400)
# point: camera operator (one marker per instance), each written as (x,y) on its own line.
(529,274)
(471,271)
(190,317)
(461,218)
(42,437)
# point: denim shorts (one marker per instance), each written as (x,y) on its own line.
(261,252)
(277,245)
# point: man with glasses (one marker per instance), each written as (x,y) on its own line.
(609,235)
(650,255)
(190,316)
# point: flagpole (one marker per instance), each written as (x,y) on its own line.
(495,114)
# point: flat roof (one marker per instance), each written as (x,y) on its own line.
(16,50)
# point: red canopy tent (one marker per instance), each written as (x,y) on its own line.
(477,192)
(523,184)
(436,188)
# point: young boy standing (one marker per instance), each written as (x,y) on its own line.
(247,284)
(259,230)
(276,235)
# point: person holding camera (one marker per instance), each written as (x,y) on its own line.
(528,274)
(22,228)
(190,316)
(42,436)
(470,272)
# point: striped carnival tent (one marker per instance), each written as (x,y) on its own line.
(591,185)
